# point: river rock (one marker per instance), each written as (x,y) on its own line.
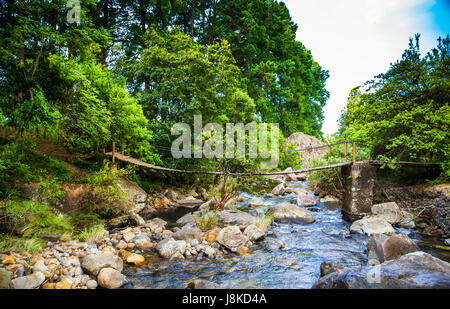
(5,278)
(155,223)
(93,263)
(110,278)
(207,206)
(235,217)
(91,284)
(279,189)
(200,284)
(382,247)
(327,268)
(277,179)
(189,202)
(135,259)
(407,221)
(186,219)
(188,233)
(169,246)
(306,200)
(256,201)
(290,212)
(290,177)
(388,211)
(211,235)
(253,233)
(371,225)
(331,200)
(135,195)
(416,270)
(64,284)
(231,237)
(32,281)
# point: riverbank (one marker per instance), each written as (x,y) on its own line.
(244,250)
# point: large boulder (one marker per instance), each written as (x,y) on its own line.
(382,247)
(416,270)
(235,217)
(136,196)
(253,233)
(32,281)
(231,237)
(110,278)
(93,263)
(169,246)
(371,225)
(388,211)
(188,233)
(290,212)
(302,141)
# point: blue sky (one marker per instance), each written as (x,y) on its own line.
(358,39)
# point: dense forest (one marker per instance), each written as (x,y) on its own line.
(129,70)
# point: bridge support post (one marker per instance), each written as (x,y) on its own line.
(358,195)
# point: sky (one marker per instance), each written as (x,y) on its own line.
(357,39)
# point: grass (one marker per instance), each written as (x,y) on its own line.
(30,245)
(264,223)
(28,218)
(93,234)
(207,221)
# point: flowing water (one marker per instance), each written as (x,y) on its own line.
(296,265)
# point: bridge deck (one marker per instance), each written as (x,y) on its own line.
(137,162)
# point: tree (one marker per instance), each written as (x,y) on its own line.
(404,113)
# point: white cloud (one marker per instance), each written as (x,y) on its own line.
(358,39)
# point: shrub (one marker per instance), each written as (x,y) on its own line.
(207,220)
(93,234)
(29,218)
(106,198)
(330,180)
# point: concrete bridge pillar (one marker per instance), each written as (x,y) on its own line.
(358,196)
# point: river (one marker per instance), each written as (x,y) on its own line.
(296,265)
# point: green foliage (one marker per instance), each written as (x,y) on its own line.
(94,234)
(19,163)
(49,191)
(264,223)
(206,221)
(105,197)
(31,218)
(404,114)
(31,245)
(330,180)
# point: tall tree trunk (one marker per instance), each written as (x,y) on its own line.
(104,53)
(213,22)
(143,10)
(191,31)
